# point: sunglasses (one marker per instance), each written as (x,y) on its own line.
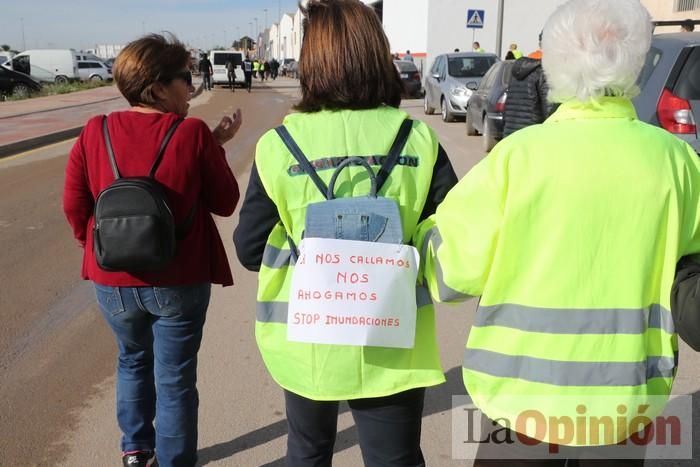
(184,75)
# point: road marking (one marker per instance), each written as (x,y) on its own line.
(31,151)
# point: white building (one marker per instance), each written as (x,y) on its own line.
(298,34)
(274,41)
(286,30)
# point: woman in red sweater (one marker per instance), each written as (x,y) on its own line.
(157,316)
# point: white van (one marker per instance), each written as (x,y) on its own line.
(219,58)
(47,65)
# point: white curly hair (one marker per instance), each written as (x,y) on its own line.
(594,48)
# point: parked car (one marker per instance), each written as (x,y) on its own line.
(284,66)
(451,81)
(410,77)
(16,84)
(109,62)
(293,69)
(219,59)
(94,71)
(486,105)
(47,65)
(670,85)
(5,56)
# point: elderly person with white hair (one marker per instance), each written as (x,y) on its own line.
(569,232)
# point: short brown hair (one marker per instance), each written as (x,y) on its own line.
(146,61)
(345,59)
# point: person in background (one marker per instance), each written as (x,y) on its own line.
(231,74)
(476,47)
(408,57)
(688,26)
(345,110)
(248,72)
(537,54)
(514,50)
(206,70)
(561,233)
(527,95)
(157,317)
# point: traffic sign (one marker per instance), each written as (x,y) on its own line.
(475,19)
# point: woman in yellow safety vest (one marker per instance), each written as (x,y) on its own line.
(569,231)
(351,92)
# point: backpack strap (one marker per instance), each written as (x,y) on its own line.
(163,145)
(394,153)
(301,159)
(110,150)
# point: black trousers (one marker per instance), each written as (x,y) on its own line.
(248,81)
(389,429)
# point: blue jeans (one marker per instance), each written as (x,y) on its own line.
(158,331)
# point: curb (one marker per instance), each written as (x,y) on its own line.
(38,141)
(17,147)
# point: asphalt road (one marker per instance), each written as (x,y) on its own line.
(57,356)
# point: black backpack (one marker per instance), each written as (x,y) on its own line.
(134,227)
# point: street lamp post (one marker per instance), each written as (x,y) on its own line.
(24,42)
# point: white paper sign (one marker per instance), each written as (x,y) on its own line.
(353,293)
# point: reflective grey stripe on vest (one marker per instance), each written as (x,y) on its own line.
(276,312)
(563,373)
(445,292)
(276,258)
(576,321)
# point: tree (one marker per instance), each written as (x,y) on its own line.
(5,47)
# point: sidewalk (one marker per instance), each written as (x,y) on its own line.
(31,123)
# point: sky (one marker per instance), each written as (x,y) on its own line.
(81,24)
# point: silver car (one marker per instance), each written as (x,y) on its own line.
(93,70)
(451,81)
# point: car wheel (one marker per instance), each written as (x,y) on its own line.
(446,114)
(20,90)
(471,131)
(426,106)
(489,140)
(96,78)
(60,79)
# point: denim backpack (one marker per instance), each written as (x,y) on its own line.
(369,218)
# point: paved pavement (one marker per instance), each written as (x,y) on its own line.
(61,386)
(30,123)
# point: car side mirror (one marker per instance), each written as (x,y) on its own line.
(472,85)
(436,76)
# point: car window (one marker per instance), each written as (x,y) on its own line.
(653,58)
(465,67)
(507,73)
(436,65)
(688,84)
(222,58)
(405,67)
(83,65)
(488,79)
(441,67)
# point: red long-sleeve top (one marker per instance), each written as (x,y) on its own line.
(193,170)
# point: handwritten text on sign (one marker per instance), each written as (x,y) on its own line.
(353,293)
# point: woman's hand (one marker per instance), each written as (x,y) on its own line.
(228,127)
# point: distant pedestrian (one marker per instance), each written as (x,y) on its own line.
(527,95)
(408,57)
(476,47)
(513,49)
(231,74)
(206,70)
(688,26)
(537,54)
(248,73)
(274,68)
(156,314)
(256,68)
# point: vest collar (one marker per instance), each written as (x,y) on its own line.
(603,107)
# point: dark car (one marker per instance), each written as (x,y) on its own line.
(486,105)
(670,85)
(410,76)
(16,84)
